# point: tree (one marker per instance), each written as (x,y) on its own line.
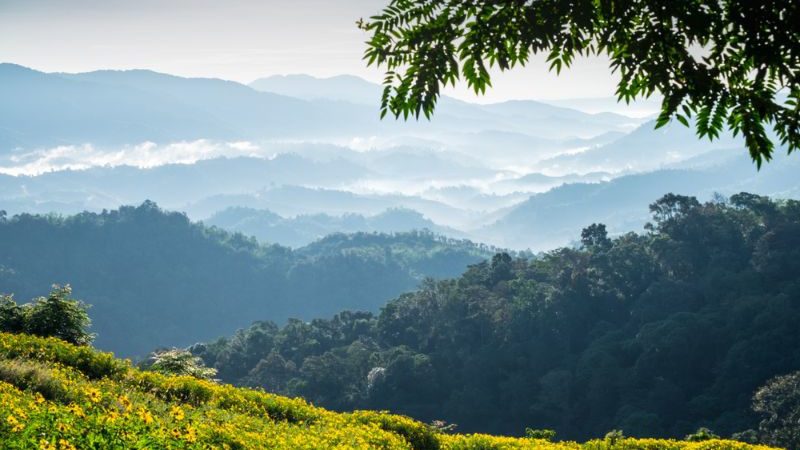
(178,361)
(724,62)
(595,237)
(12,319)
(58,315)
(779,403)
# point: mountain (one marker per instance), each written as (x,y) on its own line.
(157,279)
(555,217)
(302,230)
(646,148)
(109,108)
(112,108)
(291,200)
(345,88)
(172,185)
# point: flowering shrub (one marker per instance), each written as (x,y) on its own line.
(57,396)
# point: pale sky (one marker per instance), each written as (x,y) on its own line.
(238,40)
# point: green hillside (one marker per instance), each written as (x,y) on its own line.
(658,333)
(154,278)
(54,395)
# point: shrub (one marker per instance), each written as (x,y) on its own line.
(702,434)
(56,315)
(180,362)
(547,435)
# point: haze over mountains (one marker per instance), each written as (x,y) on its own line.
(290,159)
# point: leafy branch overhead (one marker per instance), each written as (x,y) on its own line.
(722,63)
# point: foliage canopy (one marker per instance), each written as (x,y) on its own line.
(659,333)
(57,315)
(779,403)
(720,62)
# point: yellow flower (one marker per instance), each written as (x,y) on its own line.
(77,410)
(112,416)
(125,402)
(20,413)
(46,445)
(64,444)
(15,424)
(191,434)
(145,416)
(62,427)
(94,395)
(176,433)
(177,413)
(39,399)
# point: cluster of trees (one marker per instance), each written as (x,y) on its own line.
(57,315)
(657,334)
(155,279)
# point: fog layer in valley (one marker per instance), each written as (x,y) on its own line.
(293,159)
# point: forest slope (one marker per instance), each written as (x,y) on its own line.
(656,333)
(155,278)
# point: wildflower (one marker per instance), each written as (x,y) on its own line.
(64,444)
(44,444)
(125,402)
(39,399)
(112,416)
(20,413)
(62,427)
(176,433)
(191,434)
(94,395)
(14,423)
(77,410)
(145,415)
(177,413)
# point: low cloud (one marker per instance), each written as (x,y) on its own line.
(144,155)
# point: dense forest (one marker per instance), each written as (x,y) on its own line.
(656,333)
(155,278)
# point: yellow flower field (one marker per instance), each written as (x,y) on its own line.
(58,396)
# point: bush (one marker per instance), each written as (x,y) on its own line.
(547,435)
(179,362)
(56,315)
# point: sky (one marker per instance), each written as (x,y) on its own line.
(239,40)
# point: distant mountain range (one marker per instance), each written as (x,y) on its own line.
(302,230)
(556,217)
(290,159)
(127,107)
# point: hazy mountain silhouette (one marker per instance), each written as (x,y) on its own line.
(556,217)
(304,229)
(128,107)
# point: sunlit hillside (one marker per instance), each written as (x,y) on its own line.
(54,395)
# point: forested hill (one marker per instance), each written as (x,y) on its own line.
(154,278)
(656,333)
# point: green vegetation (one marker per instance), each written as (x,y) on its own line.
(725,63)
(779,402)
(656,334)
(56,315)
(57,396)
(143,268)
(176,361)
